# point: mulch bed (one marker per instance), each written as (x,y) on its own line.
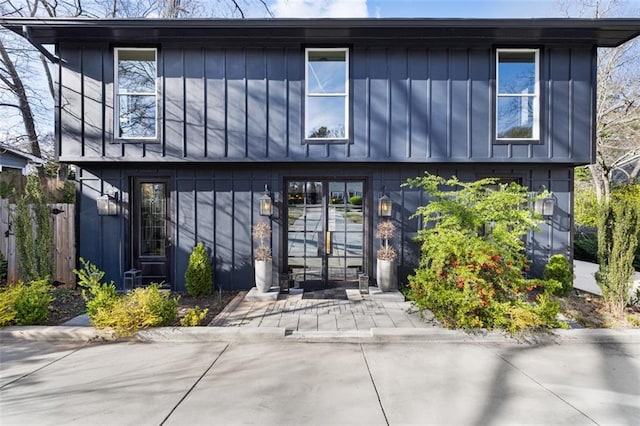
(589,311)
(68,303)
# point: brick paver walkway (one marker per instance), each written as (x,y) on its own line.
(361,312)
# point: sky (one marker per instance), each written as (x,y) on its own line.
(423,8)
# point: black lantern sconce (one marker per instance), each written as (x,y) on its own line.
(385,206)
(545,205)
(266,203)
(108,204)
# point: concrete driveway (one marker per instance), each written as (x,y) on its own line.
(276,382)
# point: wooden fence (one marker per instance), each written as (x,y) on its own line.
(64,242)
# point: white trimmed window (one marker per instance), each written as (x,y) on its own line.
(136,111)
(517,94)
(326,93)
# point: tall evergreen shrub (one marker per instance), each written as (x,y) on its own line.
(199,275)
(618,233)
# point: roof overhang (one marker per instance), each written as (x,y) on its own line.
(600,32)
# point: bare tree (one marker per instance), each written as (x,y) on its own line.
(618,102)
(20,91)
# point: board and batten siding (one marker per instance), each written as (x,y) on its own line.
(411,105)
(218,205)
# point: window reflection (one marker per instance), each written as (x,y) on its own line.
(136,93)
(517,97)
(326,94)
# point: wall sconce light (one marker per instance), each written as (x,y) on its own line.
(546,204)
(385,206)
(107,205)
(266,204)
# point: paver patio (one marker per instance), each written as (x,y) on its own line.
(291,311)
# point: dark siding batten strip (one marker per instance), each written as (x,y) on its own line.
(103,104)
(469,107)
(205,104)
(83,101)
(226,103)
(184,103)
(428,101)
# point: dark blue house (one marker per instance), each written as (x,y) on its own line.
(177,127)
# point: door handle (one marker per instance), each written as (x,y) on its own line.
(327,243)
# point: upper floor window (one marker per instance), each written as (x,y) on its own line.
(136,93)
(327,93)
(518,98)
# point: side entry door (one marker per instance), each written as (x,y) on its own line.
(151,242)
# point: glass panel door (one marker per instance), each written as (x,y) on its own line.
(151,242)
(325,232)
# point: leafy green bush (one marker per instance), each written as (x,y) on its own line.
(585,208)
(356,200)
(199,276)
(194,317)
(470,278)
(142,308)
(97,294)
(25,304)
(558,269)
(7,309)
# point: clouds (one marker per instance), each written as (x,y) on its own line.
(320,9)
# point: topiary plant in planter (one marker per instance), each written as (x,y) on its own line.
(263,259)
(386,255)
(199,275)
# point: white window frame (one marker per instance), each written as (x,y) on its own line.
(308,94)
(117,93)
(535,130)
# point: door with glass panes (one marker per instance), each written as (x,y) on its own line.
(325,232)
(151,241)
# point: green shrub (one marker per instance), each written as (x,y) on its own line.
(356,200)
(194,317)
(32,302)
(142,308)
(97,294)
(7,306)
(618,232)
(25,304)
(199,276)
(585,208)
(471,278)
(558,269)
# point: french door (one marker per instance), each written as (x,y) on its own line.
(325,232)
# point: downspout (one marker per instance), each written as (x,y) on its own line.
(26,33)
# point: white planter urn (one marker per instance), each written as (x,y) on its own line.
(386,275)
(263,275)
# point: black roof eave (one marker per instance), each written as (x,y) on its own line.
(601,32)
